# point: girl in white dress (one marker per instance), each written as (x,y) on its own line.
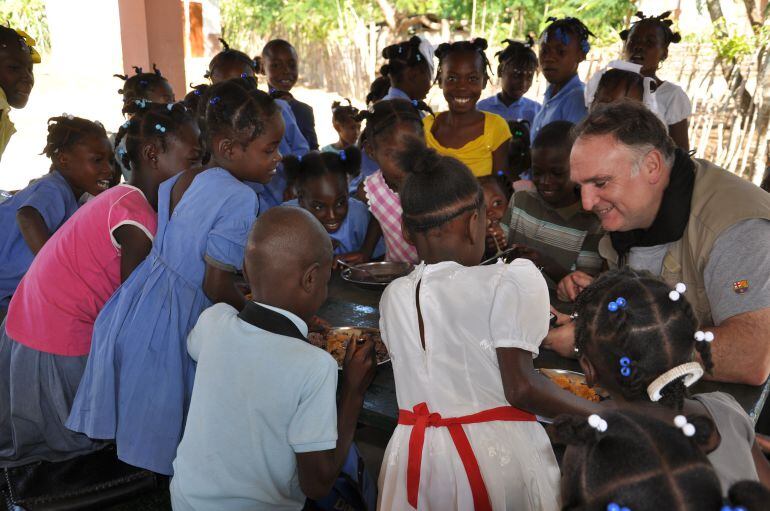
(461,339)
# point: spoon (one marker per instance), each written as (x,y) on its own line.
(356,268)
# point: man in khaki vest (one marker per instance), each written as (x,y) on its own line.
(683,219)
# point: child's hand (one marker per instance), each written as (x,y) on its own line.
(495,238)
(359,366)
(351,258)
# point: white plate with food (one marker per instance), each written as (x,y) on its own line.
(335,341)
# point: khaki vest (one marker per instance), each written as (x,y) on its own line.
(719,200)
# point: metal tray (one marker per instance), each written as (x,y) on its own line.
(377,275)
(355,331)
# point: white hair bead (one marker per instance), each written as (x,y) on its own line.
(700,336)
(688,430)
(680,288)
(674,295)
(709,336)
(594,420)
(680,421)
(602,426)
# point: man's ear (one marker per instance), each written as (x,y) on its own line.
(310,277)
(653,166)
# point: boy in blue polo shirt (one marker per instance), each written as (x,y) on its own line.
(263,430)
(563,46)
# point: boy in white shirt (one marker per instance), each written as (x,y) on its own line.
(263,430)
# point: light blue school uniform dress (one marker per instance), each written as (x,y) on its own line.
(138,380)
(294,143)
(523,108)
(50,196)
(568,104)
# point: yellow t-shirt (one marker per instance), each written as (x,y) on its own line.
(476,154)
(6,126)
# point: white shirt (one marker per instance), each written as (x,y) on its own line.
(259,398)
(467,313)
(673,102)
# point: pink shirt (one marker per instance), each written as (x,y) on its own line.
(54,308)
(385,205)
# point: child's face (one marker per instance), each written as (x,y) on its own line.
(183,151)
(421,79)
(494,199)
(258,160)
(16,78)
(161,93)
(620,91)
(386,150)
(462,80)
(87,165)
(281,68)
(646,46)
(230,70)
(559,60)
(550,174)
(348,130)
(516,81)
(327,198)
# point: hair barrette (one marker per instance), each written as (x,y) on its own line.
(612,506)
(677,292)
(727,507)
(691,371)
(244,75)
(68,116)
(701,336)
(680,421)
(419,57)
(597,423)
(160,128)
(500,173)
(585,46)
(141,102)
(618,303)
(143,83)
(214,100)
(197,92)
(170,106)
(400,50)
(121,151)
(415,103)
(625,367)
(343,156)
(127,124)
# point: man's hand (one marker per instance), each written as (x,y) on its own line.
(561,338)
(572,285)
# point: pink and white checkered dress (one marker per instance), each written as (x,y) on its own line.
(385,205)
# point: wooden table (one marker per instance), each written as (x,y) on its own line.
(349,305)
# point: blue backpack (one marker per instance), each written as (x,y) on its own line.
(354,489)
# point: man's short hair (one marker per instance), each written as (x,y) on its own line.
(632,124)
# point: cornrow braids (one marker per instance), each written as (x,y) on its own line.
(662,21)
(137,86)
(236,108)
(436,190)
(227,56)
(668,470)
(561,28)
(313,165)
(378,90)
(517,54)
(401,56)
(65,131)
(384,115)
(342,113)
(477,45)
(151,122)
(193,98)
(651,332)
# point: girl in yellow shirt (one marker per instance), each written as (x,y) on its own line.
(478,139)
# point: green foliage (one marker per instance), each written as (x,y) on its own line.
(730,44)
(29,16)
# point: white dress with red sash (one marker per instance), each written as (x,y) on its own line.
(470,449)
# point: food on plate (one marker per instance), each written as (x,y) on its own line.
(335,341)
(575,383)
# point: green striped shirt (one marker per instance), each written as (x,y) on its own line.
(569,235)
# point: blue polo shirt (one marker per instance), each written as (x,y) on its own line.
(396,93)
(523,108)
(568,104)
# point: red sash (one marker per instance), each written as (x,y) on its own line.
(421,418)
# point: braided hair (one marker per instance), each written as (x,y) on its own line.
(314,165)
(519,153)
(653,332)
(477,46)
(149,123)
(237,109)
(662,21)
(643,464)
(436,190)
(378,90)
(137,87)
(342,113)
(563,27)
(66,131)
(383,116)
(614,78)
(401,56)
(229,56)
(517,54)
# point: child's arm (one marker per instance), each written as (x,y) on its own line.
(33,228)
(678,132)
(373,233)
(134,247)
(526,389)
(219,286)
(318,470)
(762,465)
